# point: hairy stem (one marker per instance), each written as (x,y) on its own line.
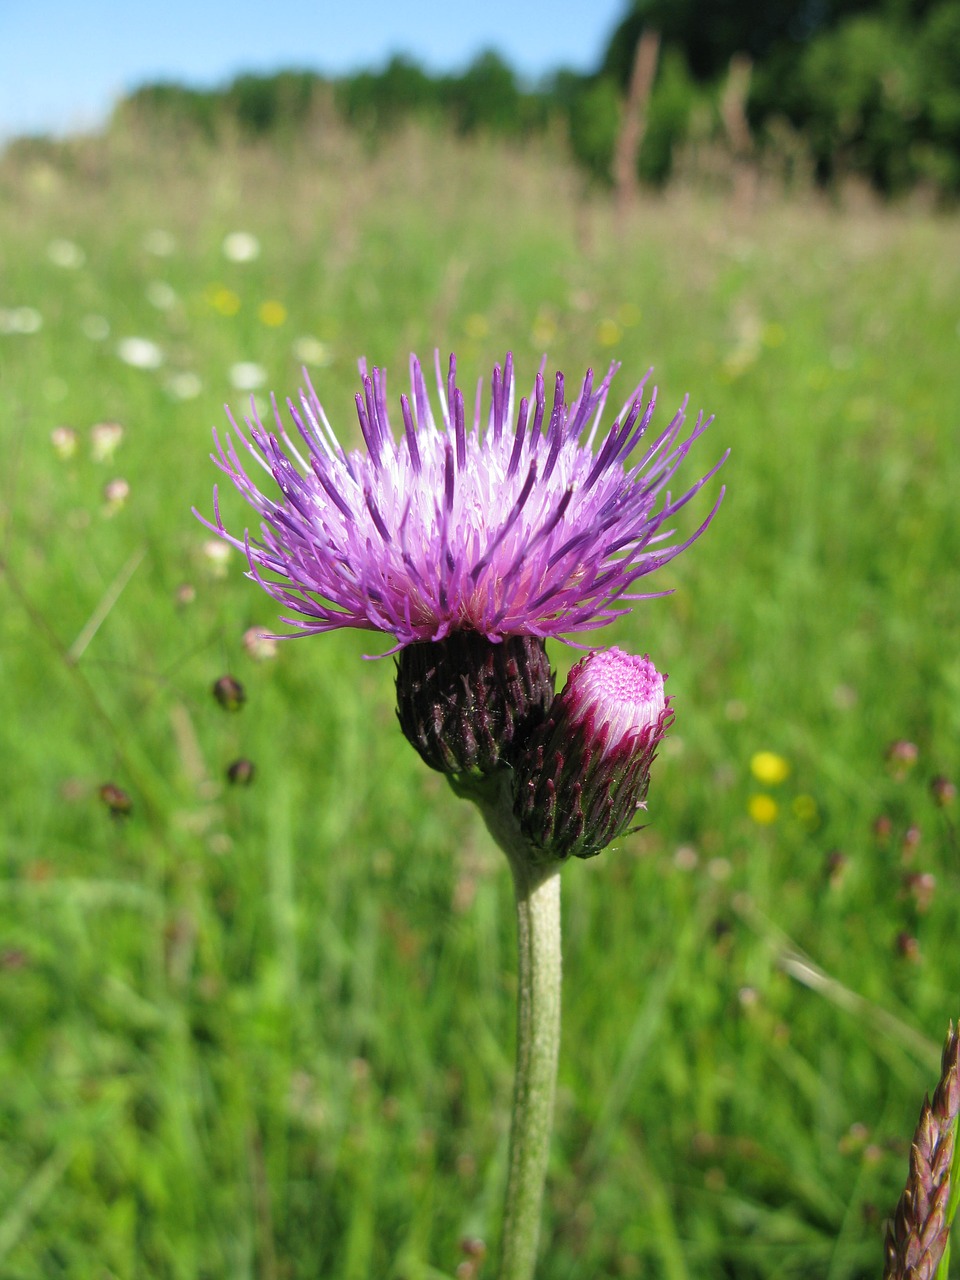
(537,888)
(538,1046)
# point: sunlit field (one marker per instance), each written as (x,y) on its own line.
(266,1030)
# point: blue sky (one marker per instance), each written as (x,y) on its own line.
(64,62)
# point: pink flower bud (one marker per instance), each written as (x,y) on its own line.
(586,773)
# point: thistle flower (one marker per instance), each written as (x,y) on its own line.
(527,520)
(470,544)
(586,772)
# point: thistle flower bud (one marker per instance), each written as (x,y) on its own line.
(919,886)
(910,842)
(466,704)
(116,800)
(230,693)
(259,647)
(882,827)
(241,773)
(586,772)
(944,791)
(907,947)
(901,758)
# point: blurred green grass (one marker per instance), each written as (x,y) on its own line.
(267,1032)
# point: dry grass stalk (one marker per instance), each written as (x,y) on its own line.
(634,123)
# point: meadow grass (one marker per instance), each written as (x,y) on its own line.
(267,1031)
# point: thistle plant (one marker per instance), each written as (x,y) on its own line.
(469,544)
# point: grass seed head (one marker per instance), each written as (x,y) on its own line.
(917,1235)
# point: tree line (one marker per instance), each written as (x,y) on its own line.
(869,88)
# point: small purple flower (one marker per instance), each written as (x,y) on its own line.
(526,521)
(586,772)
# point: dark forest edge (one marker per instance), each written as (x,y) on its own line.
(814,91)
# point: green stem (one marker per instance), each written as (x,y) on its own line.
(537,888)
(538,1046)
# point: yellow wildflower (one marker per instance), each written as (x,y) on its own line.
(223,299)
(609,333)
(763,809)
(769,768)
(272,313)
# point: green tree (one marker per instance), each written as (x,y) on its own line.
(861,104)
(486,96)
(668,118)
(379,100)
(170,106)
(938,57)
(593,116)
(268,104)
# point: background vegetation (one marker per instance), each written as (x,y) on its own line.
(266,1031)
(836,88)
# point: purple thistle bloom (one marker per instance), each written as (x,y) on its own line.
(513,524)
